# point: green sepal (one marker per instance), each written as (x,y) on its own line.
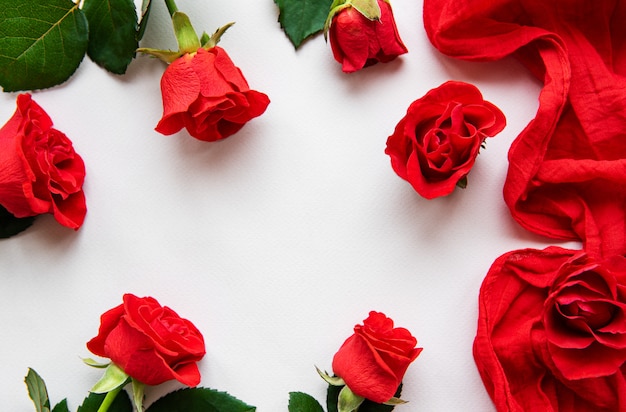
(331,380)
(138,389)
(368,8)
(167,56)
(335,8)
(94,363)
(348,400)
(302,402)
(462,183)
(186,36)
(204,39)
(113,378)
(210,42)
(395,402)
(332,396)
(37,391)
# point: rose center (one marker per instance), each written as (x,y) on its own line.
(582,315)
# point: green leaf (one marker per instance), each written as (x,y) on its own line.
(61,407)
(42,43)
(37,391)
(11,225)
(113,378)
(302,18)
(95,364)
(302,402)
(462,183)
(113,32)
(138,391)
(331,380)
(146,5)
(121,403)
(199,400)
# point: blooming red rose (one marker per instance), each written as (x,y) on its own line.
(372,362)
(208,95)
(149,342)
(435,144)
(39,170)
(552,332)
(358,42)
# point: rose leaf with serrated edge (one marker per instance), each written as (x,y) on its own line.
(199,400)
(37,391)
(42,43)
(61,407)
(146,5)
(302,402)
(302,18)
(112,33)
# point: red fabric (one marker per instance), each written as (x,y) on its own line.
(567,173)
(551,334)
(372,362)
(149,342)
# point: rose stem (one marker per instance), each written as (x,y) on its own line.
(108,400)
(171,6)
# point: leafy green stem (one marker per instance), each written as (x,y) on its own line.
(108,400)
(171,6)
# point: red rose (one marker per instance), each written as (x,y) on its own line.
(39,170)
(358,42)
(435,145)
(149,342)
(552,332)
(207,94)
(372,362)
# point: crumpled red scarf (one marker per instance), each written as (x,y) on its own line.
(566,180)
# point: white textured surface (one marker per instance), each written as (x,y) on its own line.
(276,241)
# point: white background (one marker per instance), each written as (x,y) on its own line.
(276,241)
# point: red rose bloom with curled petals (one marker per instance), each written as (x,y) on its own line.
(434,146)
(552,332)
(358,42)
(150,342)
(207,94)
(39,170)
(373,361)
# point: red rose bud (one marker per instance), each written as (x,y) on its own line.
(208,95)
(435,145)
(373,361)
(39,170)
(358,41)
(149,342)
